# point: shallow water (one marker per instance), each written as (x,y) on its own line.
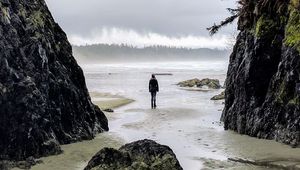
(187,121)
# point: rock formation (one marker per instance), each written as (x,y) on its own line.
(262,86)
(210,83)
(144,154)
(44,101)
(220,96)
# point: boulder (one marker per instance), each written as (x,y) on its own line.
(210,83)
(220,96)
(108,110)
(189,83)
(143,154)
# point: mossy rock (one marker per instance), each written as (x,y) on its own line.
(6,15)
(286,95)
(267,26)
(210,83)
(295,3)
(140,155)
(36,18)
(220,96)
(292,37)
(189,83)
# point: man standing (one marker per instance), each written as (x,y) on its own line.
(153,89)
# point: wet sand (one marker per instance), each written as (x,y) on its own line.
(109,101)
(76,156)
(207,145)
(187,121)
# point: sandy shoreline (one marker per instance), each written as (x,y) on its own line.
(186,121)
(108,101)
(77,155)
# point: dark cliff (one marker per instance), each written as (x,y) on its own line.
(261,96)
(44,101)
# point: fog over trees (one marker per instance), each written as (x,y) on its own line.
(125,53)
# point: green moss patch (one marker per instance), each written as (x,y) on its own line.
(265,26)
(37,19)
(284,96)
(6,15)
(281,96)
(294,101)
(295,3)
(292,37)
(22,13)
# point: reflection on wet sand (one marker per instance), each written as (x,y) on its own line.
(186,121)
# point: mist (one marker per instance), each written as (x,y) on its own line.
(105,53)
(133,38)
(141,23)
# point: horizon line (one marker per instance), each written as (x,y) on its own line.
(147,46)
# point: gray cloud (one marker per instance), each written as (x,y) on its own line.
(173,18)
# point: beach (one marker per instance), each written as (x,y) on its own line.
(76,155)
(186,119)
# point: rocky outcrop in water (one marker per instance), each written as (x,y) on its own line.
(210,83)
(220,96)
(44,101)
(144,154)
(262,92)
(108,110)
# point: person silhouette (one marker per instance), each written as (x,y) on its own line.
(153,89)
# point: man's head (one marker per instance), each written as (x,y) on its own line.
(153,76)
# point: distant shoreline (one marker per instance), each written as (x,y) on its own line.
(163,74)
(118,53)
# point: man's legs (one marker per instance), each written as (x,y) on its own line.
(154,99)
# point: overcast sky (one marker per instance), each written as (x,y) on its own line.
(143,22)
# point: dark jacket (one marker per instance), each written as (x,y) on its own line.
(153,85)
